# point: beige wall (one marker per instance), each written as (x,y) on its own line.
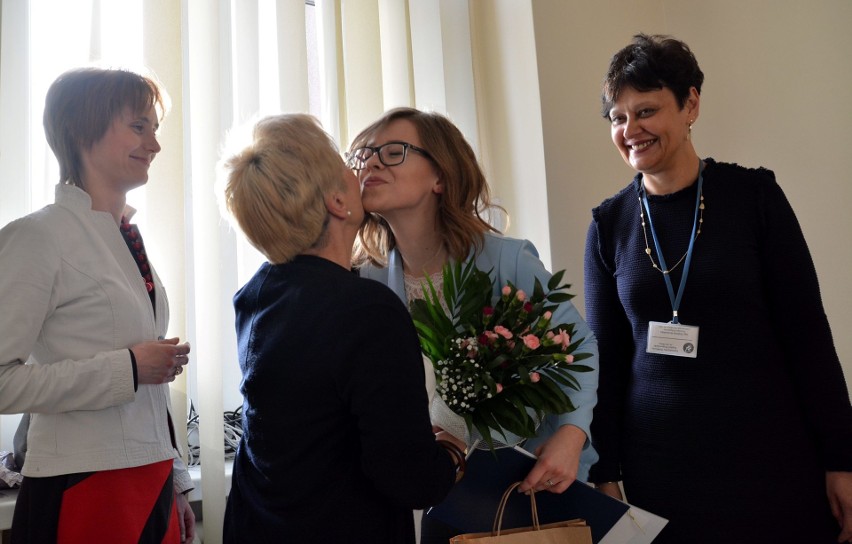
(776,94)
(507,95)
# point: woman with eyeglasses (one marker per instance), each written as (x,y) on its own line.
(424,194)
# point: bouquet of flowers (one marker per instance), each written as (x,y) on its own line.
(502,364)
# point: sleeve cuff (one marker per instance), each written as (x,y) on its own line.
(135,370)
(182,481)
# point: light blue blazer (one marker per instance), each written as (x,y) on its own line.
(514,260)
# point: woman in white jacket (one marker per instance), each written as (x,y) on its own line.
(83,321)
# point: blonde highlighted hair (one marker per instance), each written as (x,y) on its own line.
(466,196)
(275,187)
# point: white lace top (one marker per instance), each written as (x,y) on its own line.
(414,287)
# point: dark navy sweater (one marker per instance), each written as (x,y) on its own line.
(734,443)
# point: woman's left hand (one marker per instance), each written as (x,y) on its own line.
(839,488)
(558,460)
(186,518)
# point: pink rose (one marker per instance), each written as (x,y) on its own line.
(535,377)
(490,336)
(521,295)
(547,315)
(569,359)
(499,388)
(506,291)
(562,338)
(503,331)
(531,341)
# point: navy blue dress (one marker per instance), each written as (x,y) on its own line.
(337,445)
(731,446)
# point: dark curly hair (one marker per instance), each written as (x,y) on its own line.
(651,62)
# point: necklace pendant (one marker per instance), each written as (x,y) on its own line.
(645,234)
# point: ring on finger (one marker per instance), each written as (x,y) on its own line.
(549,483)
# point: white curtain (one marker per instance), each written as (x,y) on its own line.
(223,62)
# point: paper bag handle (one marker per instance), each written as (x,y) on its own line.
(498,519)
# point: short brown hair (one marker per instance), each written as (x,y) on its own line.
(466,194)
(82,103)
(275,187)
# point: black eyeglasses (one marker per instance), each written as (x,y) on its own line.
(390,154)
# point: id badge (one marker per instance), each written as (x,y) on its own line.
(672,339)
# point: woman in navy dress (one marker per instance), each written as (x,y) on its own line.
(722,403)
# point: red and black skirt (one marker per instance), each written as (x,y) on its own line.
(117,506)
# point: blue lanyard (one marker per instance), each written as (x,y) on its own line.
(675,299)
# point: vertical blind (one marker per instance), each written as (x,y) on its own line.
(224,63)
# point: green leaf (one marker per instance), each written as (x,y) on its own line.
(554,280)
(507,410)
(559,298)
(522,426)
(564,378)
(553,389)
(538,292)
(491,422)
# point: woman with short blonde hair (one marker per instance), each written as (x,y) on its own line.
(278,182)
(335,420)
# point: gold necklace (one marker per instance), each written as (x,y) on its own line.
(645,233)
(427,263)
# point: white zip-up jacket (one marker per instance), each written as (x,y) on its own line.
(72,301)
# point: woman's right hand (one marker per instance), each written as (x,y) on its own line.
(160,361)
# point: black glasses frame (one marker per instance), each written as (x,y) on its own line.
(359,163)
